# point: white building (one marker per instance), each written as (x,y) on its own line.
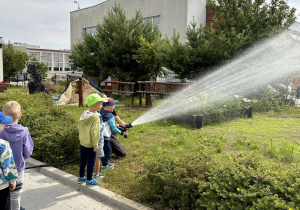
(57,60)
(167,14)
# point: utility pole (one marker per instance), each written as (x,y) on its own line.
(1,60)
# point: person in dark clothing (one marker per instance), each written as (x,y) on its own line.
(116,145)
(109,120)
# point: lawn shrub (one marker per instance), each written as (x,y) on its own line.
(172,181)
(53,130)
(240,182)
(271,99)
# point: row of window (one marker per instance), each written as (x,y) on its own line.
(57,60)
(155,20)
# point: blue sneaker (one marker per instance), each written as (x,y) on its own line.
(111,164)
(91,183)
(80,180)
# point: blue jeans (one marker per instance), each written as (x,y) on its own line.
(87,159)
(107,152)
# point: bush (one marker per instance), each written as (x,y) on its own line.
(53,130)
(54,88)
(241,182)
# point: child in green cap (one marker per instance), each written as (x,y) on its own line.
(89,134)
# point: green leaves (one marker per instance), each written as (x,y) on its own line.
(53,130)
(112,51)
(14,61)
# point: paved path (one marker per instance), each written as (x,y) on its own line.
(42,192)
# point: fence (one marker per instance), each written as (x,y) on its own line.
(149,88)
(121,88)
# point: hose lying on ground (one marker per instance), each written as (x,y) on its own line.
(53,164)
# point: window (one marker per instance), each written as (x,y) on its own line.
(47,59)
(67,62)
(155,20)
(91,30)
(58,62)
(36,55)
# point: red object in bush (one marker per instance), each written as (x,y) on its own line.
(4,82)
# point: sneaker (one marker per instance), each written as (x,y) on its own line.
(91,183)
(108,167)
(99,176)
(80,180)
(111,164)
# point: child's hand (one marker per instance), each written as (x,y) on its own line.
(12,186)
(96,149)
(125,133)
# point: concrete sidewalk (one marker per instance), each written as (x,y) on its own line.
(51,188)
(42,192)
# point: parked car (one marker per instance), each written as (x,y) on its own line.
(58,78)
(18,77)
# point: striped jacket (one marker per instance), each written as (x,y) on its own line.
(8,170)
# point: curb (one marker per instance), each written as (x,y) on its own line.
(99,193)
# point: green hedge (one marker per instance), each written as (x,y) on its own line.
(53,130)
(241,182)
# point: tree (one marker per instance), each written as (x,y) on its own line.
(113,49)
(14,61)
(40,66)
(239,23)
(149,57)
(83,56)
(255,18)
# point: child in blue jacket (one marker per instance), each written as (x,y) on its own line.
(110,125)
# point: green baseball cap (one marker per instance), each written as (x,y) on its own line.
(93,99)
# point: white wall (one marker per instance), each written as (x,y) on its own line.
(174,14)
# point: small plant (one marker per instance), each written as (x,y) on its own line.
(244,102)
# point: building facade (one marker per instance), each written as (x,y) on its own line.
(169,15)
(57,60)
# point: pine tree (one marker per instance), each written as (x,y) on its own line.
(113,49)
(257,19)
(239,24)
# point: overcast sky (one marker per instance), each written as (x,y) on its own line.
(47,22)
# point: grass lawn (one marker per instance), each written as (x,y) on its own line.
(275,136)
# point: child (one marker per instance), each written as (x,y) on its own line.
(100,152)
(8,170)
(89,135)
(116,145)
(21,144)
(110,126)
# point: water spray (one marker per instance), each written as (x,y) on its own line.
(266,62)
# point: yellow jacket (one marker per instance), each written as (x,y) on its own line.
(89,129)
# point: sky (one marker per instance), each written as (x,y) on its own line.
(39,22)
(47,22)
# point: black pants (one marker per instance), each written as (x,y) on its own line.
(107,153)
(117,147)
(5,199)
(87,159)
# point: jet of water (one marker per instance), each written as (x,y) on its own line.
(266,62)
